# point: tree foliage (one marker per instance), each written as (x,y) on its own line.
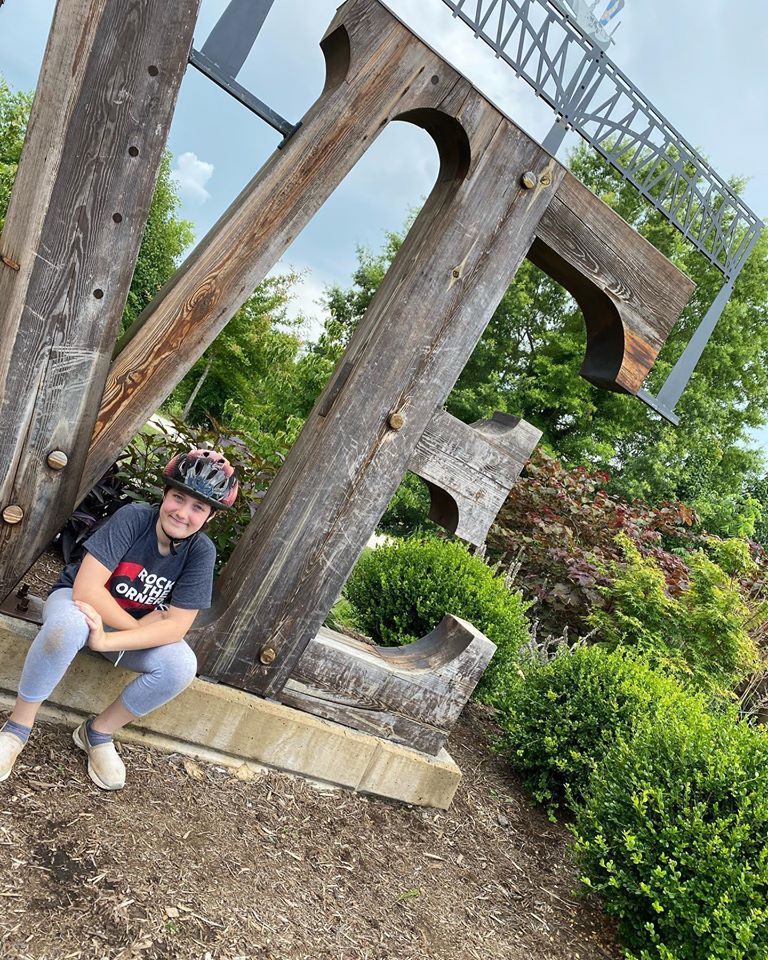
(248,374)
(14,112)
(164,240)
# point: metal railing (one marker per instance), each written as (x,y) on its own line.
(590,94)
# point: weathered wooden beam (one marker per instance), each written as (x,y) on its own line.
(629,293)
(72,27)
(418,334)
(373,72)
(412,695)
(470,469)
(93,149)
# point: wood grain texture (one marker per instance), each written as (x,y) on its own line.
(470,469)
(412,695)
(418,334)
(629,293)
(373,71)
(74,24)
(82,263)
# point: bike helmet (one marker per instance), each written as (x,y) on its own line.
(204,474)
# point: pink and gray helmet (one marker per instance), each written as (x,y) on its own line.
(204,474)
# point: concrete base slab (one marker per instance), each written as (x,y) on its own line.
(233,728)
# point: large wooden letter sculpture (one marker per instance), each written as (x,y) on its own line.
(498,198)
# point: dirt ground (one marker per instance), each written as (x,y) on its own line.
(188,862)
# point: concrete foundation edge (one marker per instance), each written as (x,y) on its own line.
(222,725)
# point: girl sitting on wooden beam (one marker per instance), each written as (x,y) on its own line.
(133,597)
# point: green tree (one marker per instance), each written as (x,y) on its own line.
(249,370)
(165,238)
(14,112)
(345,309)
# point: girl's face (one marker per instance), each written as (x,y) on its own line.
(181,514)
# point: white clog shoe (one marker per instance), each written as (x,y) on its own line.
(105,767)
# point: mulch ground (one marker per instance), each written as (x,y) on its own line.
(188,861)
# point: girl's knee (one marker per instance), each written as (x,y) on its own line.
(179,664)
(65,628)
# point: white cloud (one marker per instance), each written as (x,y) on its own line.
(192,174)
(306,301)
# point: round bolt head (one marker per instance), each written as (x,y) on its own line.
(529,179)
(13,514)
(546,179)
(57,459)
(267,655)
(396,421)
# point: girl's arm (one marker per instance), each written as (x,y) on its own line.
(90,587)
(166,626)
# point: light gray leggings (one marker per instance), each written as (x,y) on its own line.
(165,671)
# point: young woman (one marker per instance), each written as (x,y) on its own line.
(134,595)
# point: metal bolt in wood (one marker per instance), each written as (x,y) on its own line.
(267,654)
(57,459)
(396,420)
(529,179)
(13,514)
(546,178)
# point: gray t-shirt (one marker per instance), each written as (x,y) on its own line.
(142,578)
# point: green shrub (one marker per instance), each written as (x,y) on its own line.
(402,590)
(673,835)
(563,717)
(733,556)
(567,525)
(408,510)
(702,633)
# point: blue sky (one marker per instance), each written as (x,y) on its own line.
(701,62)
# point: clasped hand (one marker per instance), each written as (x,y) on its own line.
(97,639)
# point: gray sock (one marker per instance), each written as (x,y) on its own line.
(94,737)
(17,729)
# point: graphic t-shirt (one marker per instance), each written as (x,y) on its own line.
(142,578)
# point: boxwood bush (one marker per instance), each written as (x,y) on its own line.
(563,717)
(402,590)
(673,836)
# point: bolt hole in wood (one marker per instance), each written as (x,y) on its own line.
(152,70)
(117,217)
(435,79)
(133,151)
(98,293)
